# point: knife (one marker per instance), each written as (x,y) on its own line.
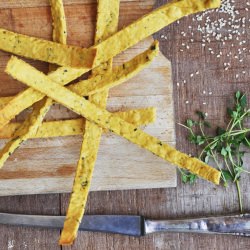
(134,225)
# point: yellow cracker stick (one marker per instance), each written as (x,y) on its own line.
(28,97)
(34,120)
(5,100)
(144,27)
(138,117)
(59,22)
(169,12)
(24,132)
(111,79)
(48,129)
(99,83)
(59,25)
(35,79)
(52,52)
(46,51)
(108,79)
(108,13)
(150,24)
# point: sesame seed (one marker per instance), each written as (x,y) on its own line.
(212,28)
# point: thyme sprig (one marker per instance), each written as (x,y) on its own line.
(225,148)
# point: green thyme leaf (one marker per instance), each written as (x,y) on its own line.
(243,101)
(220,131)
(223,148)
(227,175)
(201,115)
(206,159)
(190,123)
(188,177)
(223,152)
(238,94)
(229,112)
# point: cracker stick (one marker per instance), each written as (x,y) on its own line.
(138,30)
(46,51)
(59,22)
(107,24)
(148,25)
(34,120)
(36,79)
(138,117)
(28,97)
(5,100)
(111,78)
(55,53)
(59,25)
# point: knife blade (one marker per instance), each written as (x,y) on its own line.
(121,224)
(135,225)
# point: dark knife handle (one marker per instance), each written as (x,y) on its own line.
(233,225)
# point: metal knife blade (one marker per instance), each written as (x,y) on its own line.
(137,225)
(121,224)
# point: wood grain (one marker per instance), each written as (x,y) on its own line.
(183,201)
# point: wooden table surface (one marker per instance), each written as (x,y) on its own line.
(200,83)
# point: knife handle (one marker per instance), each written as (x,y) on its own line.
(233,225)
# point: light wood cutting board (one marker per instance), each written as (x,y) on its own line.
(48,165)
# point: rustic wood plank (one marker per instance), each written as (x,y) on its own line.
(185,201)
(118,160)
(125,161)
(201,199)
(219,86)
(129,165)
(28,238)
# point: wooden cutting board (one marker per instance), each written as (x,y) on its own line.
(48,165)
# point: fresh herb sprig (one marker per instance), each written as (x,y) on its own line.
(224,148)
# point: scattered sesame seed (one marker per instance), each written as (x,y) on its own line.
(212,28)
